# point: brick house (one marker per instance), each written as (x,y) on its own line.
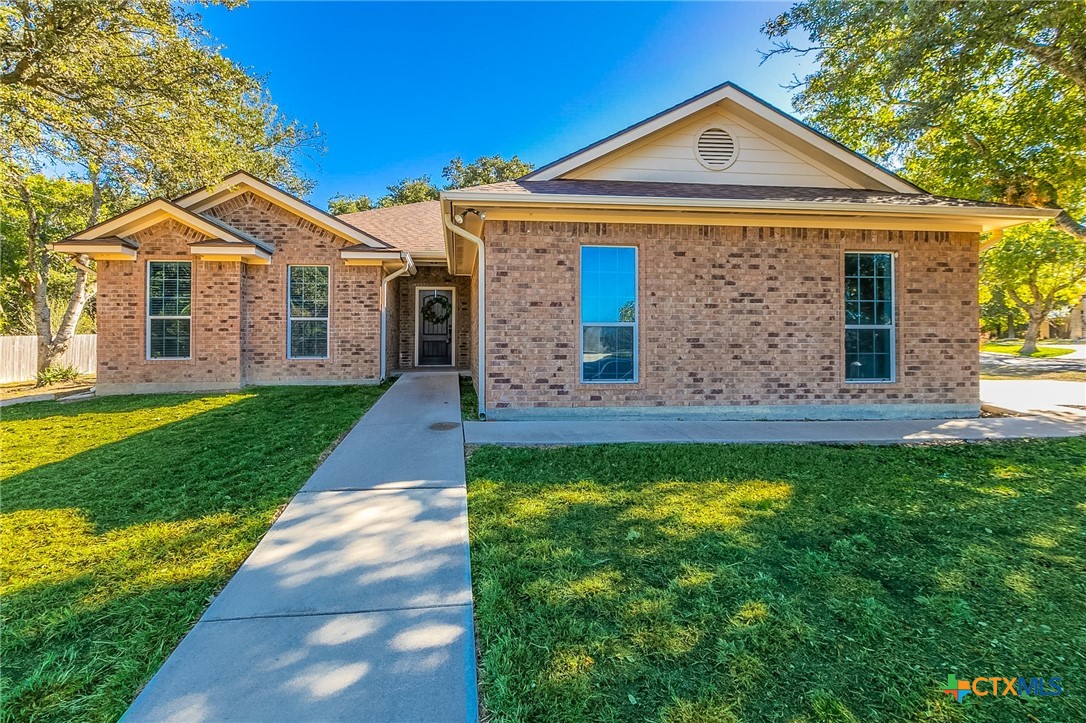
(720,260)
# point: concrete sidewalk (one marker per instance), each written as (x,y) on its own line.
(860,432)
(357,603)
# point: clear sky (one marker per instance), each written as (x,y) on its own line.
(400,88)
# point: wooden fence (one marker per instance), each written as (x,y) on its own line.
(19,356)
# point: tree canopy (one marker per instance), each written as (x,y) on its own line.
(410,190)
(983,100)
(484,169)
(132,98)
(136,93)
(1037,269)
(340,204)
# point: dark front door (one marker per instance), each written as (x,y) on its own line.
(435,323)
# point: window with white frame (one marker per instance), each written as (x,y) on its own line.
(608,314)
(307,312)
(869,317)
(169,309)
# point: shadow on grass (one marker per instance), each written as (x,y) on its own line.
(657,582)
(123,515)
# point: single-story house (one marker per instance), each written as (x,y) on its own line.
(720,259)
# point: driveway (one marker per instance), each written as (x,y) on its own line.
(356,605)
(1030,396)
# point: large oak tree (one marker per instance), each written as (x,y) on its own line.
(133,97)
(971,98)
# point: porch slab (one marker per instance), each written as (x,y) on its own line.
(400,665)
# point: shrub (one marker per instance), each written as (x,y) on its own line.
(57,375)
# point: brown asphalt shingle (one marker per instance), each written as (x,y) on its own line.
(412,227)
(726,192)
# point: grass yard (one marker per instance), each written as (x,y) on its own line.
(122,516)
(469,402)
(1015,346)
(792,583)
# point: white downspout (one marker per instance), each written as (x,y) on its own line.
(465,234)
(408,268)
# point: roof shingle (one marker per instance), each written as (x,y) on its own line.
(413,227)
(731,192)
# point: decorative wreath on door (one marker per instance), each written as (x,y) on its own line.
(437,309)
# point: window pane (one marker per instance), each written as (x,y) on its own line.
(308,338)
(867,354)
(308,295)
(170,338)
(169,288)
(608,284)
(607,353)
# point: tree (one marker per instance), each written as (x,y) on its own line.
(57,208)
(340,204)
(1039,268)
(982,100)
(132,93)
(483,170)
(410,190)
(998,314)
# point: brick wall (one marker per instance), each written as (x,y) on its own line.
(405,291)
(239,319)
(217,289)
(354,326)
(729,316)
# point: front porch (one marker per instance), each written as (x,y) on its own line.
(425,333)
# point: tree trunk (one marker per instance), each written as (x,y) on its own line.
(76,303)
(1010,327)
(1037,316)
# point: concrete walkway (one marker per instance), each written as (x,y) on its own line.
(357,603)
(866,432)
(1028,396)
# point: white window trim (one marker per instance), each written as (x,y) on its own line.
(892,326)
(452,322)
(635,323)
(326,319)
(147,310)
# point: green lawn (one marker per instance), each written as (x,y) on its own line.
(122,516)
(1015,346)
(790,583)
(469,402)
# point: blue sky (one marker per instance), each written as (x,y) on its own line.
(400,88)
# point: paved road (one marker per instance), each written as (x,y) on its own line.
(357,603)
(1011,365)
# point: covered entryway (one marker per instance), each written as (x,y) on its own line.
(435,320)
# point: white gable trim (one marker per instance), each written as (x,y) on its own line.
(154,212)
(732,93)
(241,182)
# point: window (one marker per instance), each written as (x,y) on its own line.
(307,312)
(169,309)
(608,314)
(869,317)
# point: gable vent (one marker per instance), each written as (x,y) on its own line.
(716,149)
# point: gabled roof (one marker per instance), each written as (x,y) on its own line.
(155,211)
(414,227)
(713,191)
(241,182)
(724,203)
(801,134)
